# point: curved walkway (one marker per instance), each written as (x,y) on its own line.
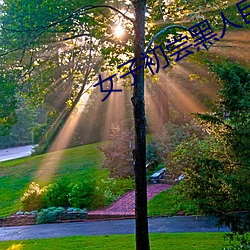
(124,207)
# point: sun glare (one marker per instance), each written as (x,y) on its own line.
(119,31)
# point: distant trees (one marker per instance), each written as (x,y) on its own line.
(8,104)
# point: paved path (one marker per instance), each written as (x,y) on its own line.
(156,225)
(125,206)
(14,153)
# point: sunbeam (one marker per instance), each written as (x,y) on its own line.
(51,161)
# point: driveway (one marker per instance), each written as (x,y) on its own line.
(14,153)
(156,225)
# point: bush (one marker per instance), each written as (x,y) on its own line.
(33,198)
(103,194)
(109,189)
(57,193)
(48,215)
(243,242)
(152,155)
(38,131)
(118,153)
(81,194)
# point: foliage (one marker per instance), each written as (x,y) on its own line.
(216,168)
(243,242)
(73,209)
(48,215)
(118,154)
(103,193)
(22,132)
(81,194)
(166,141)
(57,193)
(32,199)
(8,104)
(93,192)
(108,190)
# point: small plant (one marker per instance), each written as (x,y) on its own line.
(81,194)
(57,193)
(33,197)
(243,242)
(76,210)
(48,215)
(109,189)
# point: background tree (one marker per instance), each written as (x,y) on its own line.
(216,168)
(8,105)
(118,155)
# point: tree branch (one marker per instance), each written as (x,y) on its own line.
(163,31)
(44,28)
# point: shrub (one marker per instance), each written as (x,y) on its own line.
(243,242)
(33,197)
(118,153)
(48,215)
(57,193)
(103,195)
(123,185)
(109,189)
(81,194)
(152,155)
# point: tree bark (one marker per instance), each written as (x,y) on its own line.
(139,151)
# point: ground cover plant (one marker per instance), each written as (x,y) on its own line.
(170,241)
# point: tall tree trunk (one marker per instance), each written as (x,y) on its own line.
(139,152)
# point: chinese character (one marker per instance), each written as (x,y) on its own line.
(241,11)
(202,33)
(148,64)
(131,71)
(188,52)
(225,20)
(107,90)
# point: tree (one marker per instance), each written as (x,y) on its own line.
(139,151)
(217,168)
(8,105)
(118,156)
(82,19)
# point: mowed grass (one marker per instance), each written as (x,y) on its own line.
(170,241)
(16,175)
(169,202)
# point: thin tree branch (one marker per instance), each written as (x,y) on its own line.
(163,31)
(44,28)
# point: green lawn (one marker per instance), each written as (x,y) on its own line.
(16,175)
(170,241)
(169,202)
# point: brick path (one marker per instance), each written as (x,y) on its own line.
(124,207)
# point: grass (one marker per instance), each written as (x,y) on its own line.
(170,241)
(169,203)
(16,175)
